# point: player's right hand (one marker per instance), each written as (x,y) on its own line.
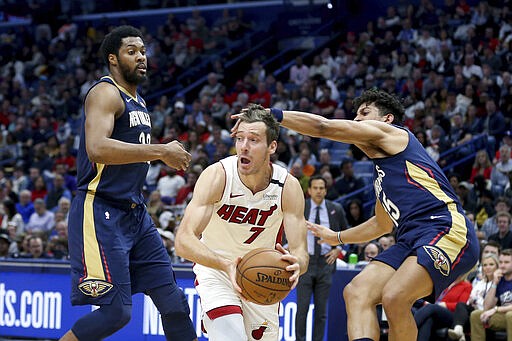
(176,156)
(230,269)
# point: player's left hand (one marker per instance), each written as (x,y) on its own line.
(294,264)
(325,234)
(331,256)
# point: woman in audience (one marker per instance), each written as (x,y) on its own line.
(482,166)
(476,298)
(440,314)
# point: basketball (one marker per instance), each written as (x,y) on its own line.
(262,276)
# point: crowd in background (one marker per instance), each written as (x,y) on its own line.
(451,64)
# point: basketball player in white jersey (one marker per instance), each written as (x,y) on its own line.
(241,203)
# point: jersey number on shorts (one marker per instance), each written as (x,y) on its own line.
(257,231)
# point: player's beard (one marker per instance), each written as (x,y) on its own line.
(132,76)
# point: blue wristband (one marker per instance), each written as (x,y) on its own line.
(277,113)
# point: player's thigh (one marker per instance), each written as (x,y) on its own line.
(261,321)
(370,282)
(150,265)
(410,282)
(99,258)
(215,289)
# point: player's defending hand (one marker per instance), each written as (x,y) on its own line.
(176,156)
(237,117)
(294,264)
(325,234)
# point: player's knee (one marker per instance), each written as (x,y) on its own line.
(352,293)
(393,301)
(120,316)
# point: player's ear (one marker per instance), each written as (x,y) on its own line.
(272,147)
(112,59)
(389,118)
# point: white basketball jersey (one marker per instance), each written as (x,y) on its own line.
(243,221)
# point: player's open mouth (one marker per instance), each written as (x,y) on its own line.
(244,160)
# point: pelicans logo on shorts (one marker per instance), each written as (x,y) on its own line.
(258,330)
(441,262)
(95,287)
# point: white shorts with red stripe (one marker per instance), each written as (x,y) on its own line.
(219,298)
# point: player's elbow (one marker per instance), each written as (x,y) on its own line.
(95,151)
(180,246)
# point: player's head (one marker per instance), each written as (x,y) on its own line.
(256,113)
(123,48)
(256,139)
(374,104)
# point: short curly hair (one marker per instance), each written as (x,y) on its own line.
(256,113)
(385,102)
(113,41)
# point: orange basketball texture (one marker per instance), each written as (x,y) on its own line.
(262,276)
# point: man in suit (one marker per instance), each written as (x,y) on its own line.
(322,260)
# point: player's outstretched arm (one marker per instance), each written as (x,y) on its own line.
(374,227)
(295,227)
(347,131)
(102,105)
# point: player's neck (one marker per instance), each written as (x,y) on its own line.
(126,86)
(259,181)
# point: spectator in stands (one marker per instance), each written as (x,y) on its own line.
(262,96)
(440,314)
(299,72)
(497,302)
(57,192)
(212,87)
(481,166)
(385,242)
(11,216)
(348,182)
(499,174)
(169,184)
(490,225)
(494,124)
(40,191)
(69,180)
(36,248)
(25,207)
(480,287)
(296,171)
(5,242)
(504,235)
(168,241)
(370,251)
(186,191)
(155,205)
(332,193)
(41,220)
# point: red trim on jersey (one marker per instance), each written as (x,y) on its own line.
(461,253)
(279,238)
(223,311)
(105,264)
(439,235)
(409,180)
(85,269)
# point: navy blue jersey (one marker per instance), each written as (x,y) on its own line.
(428,217)
(122,183)
(412,188)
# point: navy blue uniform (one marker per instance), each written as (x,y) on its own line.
(427,215)
(114,245)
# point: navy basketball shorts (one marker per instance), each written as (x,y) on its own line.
(114,249)
(445,252)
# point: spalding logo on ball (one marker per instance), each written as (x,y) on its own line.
(262,276)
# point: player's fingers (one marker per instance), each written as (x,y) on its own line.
(281,249)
